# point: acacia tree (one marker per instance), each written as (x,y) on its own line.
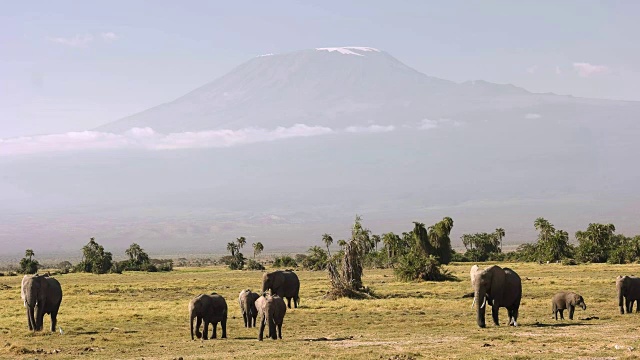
(257,248)
(327,240)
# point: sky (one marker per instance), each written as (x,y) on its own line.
(69,65)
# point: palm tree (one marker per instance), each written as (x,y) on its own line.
(328,240)
(342,243)
(29,253)
(420,237)
(257,248)
(232,248)
(376,239)
(241,241)
(500,234)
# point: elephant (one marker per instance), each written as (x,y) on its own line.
(629,289)
(566,300)
(43,295)
(210,309)
(247,301)
(272,310)
(497,287)
(284,284)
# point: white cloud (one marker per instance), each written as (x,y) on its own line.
(586,69)
(369,129)
(427,124)
(147,138)
(532,69)
(78,40)
(532,116)
(109,36)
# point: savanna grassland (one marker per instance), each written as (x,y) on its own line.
(139,315)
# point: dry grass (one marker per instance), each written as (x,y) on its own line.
(144,315)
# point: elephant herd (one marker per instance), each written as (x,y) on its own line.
(502,287)
(494,286)
(268,308)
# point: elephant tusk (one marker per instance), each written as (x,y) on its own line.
(483,303)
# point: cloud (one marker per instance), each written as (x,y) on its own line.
(109,36)
(78,40)
(82,40)
(369,129)
(586,69)
(532,116)
(148,139)
(532,69)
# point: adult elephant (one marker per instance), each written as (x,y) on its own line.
(284,284)
(499,288)
(628,290)
(247,301)
(272,311)
(212,309)
(41,295)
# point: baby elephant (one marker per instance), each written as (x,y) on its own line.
(247,301)
(271,310)
(210,309)
(566,300)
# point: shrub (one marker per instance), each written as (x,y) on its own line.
(316,259)
(285,261)
(254,265)
(414,266)
(569,262)
(28,266)
(149,268)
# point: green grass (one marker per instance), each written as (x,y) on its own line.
(144,315)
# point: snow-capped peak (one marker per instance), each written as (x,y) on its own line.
(349,50)
(263,55)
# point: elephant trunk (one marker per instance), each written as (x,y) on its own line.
(620,300)
(272,326)
(480,300)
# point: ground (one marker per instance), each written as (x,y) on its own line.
(144,315)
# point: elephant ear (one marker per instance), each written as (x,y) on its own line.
(498,284)
(278,281)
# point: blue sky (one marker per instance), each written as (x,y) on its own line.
(71,65)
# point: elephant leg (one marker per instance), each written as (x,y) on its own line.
(289,302)
(494,314)
(562,314)
(205,334)
(280,331)
(223,325)
(198,323)
(244,318)
(54,320)
(261,331)
(215,329)
(571,310)
(254,320)
(30,319)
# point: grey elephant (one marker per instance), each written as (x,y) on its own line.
(247,301)
(497,287)
(271,309)
(284,284)
(566,300)
(628,290)
(210,309)
(41,294)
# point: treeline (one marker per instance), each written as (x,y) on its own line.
(98,261)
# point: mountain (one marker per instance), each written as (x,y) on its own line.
(335,87)
(403,147)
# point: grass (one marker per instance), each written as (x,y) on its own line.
(144,315)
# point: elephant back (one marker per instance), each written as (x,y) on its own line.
(291,285)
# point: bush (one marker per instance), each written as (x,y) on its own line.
(569,262)
(235,262)
(254,265)
(29,266)
(285,261)
(414,266)
(376,260)
(162,264)
(149,268)
(119,266)
(64,267)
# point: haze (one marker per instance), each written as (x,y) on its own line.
(182,127)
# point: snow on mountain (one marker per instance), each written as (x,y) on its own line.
(349,50)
